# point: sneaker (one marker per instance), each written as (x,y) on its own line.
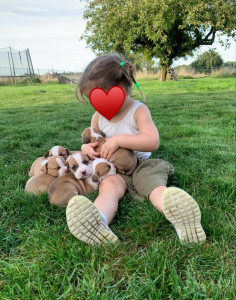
(85,222)
(184,213)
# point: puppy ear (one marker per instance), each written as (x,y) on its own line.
(98,131)
(47,154)
(104,169)
(85,139)
(95,178)
(87,157)
(44,166)
(108,168)
(102,133)
(67,151)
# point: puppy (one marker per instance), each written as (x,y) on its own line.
(101,169)
(124,160)
(80,165)
(51,168)
(54,166)
(39,184)
(68,186)
(36,167)
(56,150)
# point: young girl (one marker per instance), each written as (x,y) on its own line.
(132,128)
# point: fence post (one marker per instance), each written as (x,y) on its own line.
(30,62)
(13,65)
(10,67)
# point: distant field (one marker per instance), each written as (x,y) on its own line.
(40,259)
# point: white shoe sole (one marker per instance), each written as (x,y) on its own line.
(184,213)
(85,223)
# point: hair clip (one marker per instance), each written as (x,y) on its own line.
(122,64)
(137,85)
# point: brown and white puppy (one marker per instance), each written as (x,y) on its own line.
(39,184)
(55,166)
(101,169)
(56,150)
(66,187)
(52,168)
(124,160)
(80,165)
(35,169)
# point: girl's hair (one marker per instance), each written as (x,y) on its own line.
(104,72)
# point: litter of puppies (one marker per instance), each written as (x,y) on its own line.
(64,174)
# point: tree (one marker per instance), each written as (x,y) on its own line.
(208,61)
(165,29)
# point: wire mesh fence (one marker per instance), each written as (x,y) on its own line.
(16,66)
(14,63)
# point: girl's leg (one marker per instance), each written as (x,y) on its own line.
(181,210)
(88,221)
(111,190)
(156,197)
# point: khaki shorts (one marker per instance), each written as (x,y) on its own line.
(149,174)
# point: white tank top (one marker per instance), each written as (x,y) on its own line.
(125,126)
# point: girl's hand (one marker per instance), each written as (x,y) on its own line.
(109,147)
(89,150)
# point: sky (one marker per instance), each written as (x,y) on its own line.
(51,31)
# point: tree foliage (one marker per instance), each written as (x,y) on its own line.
(143,61)
(165,29)
(207,62)
(230,64)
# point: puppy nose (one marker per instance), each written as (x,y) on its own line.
(84,173)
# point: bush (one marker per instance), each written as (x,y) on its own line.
(36,80)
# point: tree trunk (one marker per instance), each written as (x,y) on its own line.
(163,73)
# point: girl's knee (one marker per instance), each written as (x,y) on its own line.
(113,183)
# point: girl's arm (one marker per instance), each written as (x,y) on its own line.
(94,120)
(147,140)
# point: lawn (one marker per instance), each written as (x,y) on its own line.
(40,259)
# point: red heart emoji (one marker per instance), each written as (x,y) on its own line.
(107,104)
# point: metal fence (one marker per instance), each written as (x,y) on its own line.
(14,63)
(17,64)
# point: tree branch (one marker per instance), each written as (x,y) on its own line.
(206,40)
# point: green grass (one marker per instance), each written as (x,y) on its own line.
(40,259)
